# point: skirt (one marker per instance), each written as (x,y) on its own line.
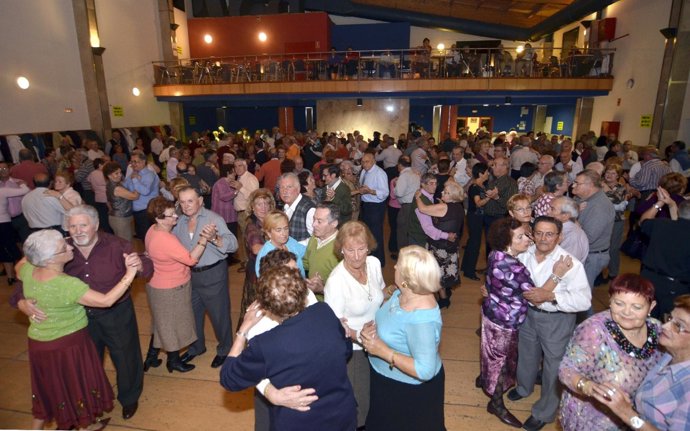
(448,261)
(399,406)
(68,383)
(249,288)
(498,356)
(172,317)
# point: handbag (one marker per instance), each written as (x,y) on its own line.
(635,245)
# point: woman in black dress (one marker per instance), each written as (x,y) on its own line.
(475,219)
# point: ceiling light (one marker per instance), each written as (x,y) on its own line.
(485,105)
(208,38)
(136,91)
(390,108)
(22,82)
(262,36)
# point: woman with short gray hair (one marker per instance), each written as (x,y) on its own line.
(68,383)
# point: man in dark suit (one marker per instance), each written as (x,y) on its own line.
(337,192)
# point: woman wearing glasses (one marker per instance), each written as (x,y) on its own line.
(610,354)
(68,383)
(661,401)
(169,291)
(520,209)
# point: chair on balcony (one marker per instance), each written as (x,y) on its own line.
(168,75)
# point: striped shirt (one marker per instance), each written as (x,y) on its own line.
(663,398)
(650,174)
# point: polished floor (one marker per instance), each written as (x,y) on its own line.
(195,400)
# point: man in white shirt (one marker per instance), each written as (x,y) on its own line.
(171,165)
(458,166)
(94,152)
(568,165)
(374,191)
(389,156)
(550,321)
(408,183)
(522,154)
(245,184)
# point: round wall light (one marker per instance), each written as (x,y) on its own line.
(520,48)
(440,47)
(22,82)
(136,91)
(262,36)
(208,38)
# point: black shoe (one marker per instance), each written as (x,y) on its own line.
(478,382)
(600,280)
(186,356)
(443,302)
(130,410)
(179,366)
(218,361)
(504,415)
(11,280)
(513,395)
(152,361)
(533,424)
(472,277)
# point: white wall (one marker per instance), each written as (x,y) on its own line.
(182,33)
(129,30)
(38,39)
(639,57)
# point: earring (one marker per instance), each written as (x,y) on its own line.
(403,284)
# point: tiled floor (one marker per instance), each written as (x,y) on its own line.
(195,400)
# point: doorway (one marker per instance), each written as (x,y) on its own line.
(472,124)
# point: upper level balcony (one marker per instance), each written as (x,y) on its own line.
(391,73)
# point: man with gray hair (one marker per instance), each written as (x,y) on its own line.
(299,209)
(596,218)
(98,261)
(319,258)
(574,239)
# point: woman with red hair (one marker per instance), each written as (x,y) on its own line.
(614,347)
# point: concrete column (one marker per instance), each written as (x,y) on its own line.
(673,80)
(92,68)
(583,117)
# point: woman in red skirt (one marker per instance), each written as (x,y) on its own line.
(68,383)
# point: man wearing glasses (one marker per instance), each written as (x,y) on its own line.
(550,320)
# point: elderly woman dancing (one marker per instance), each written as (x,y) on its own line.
(68,383)
(407,375)
(615,347)
(308,348)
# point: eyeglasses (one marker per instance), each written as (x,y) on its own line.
(679,327)
(547,235)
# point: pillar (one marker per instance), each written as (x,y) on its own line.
(582,122)
(449,120)
(286,120)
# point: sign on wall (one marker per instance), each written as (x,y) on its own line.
(192,120)
(118,111)
(646,121)
(559,126)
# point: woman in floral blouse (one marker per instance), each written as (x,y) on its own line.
(615,347)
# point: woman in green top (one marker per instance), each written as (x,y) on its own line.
(68,382)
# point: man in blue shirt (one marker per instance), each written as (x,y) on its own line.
(145,182)
(374,191)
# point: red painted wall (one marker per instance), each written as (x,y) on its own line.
(238,35)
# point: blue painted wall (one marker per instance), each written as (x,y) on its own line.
(235,118)
(422,115)
(370,36)
(564,113)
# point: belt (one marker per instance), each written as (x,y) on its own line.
(599,251)
(666,276)
(539,310)
(207,267)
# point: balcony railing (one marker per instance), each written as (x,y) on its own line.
(388,64)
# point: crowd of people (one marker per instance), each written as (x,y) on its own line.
(325,341)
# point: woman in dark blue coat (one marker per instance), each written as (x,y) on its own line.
(308,348)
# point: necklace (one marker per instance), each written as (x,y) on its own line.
(648,349)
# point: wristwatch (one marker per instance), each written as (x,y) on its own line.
(636,422)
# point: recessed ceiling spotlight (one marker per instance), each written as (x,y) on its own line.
(23,82)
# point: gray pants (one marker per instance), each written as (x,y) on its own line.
(403,220)
(547,334)
(122,227)
(358,373)
(594,264)
(614,251)
(210,294)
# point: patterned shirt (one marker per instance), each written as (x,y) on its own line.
(663,398)
(650,174)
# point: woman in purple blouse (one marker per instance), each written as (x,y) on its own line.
(611,351)
(504,309)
